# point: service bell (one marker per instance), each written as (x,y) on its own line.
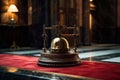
(59,54)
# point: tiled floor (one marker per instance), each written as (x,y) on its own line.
(98,52)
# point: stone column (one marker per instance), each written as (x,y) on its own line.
(54,12)
(79,12)
(29,12)
(85,22)
(79,21)
(118,13)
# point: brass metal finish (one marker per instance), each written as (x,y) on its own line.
(59,45)
(59,60)
(59,54)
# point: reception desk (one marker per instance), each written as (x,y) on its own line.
(26,68)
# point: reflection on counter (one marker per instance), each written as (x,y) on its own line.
(13,73)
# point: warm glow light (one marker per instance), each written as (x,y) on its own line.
(90,57)
(91,0)
(13,8)
(90,17)
(12,69)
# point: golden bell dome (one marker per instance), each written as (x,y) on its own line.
(59,45)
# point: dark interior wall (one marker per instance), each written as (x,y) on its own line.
(105,13)
(0,9)
(105,21)
(40,16)
(37,22)
(18,32)
(23,12)
(38,12)
(31,34)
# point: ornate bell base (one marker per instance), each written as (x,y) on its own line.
(59,60)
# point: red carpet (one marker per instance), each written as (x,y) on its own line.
(99,70)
